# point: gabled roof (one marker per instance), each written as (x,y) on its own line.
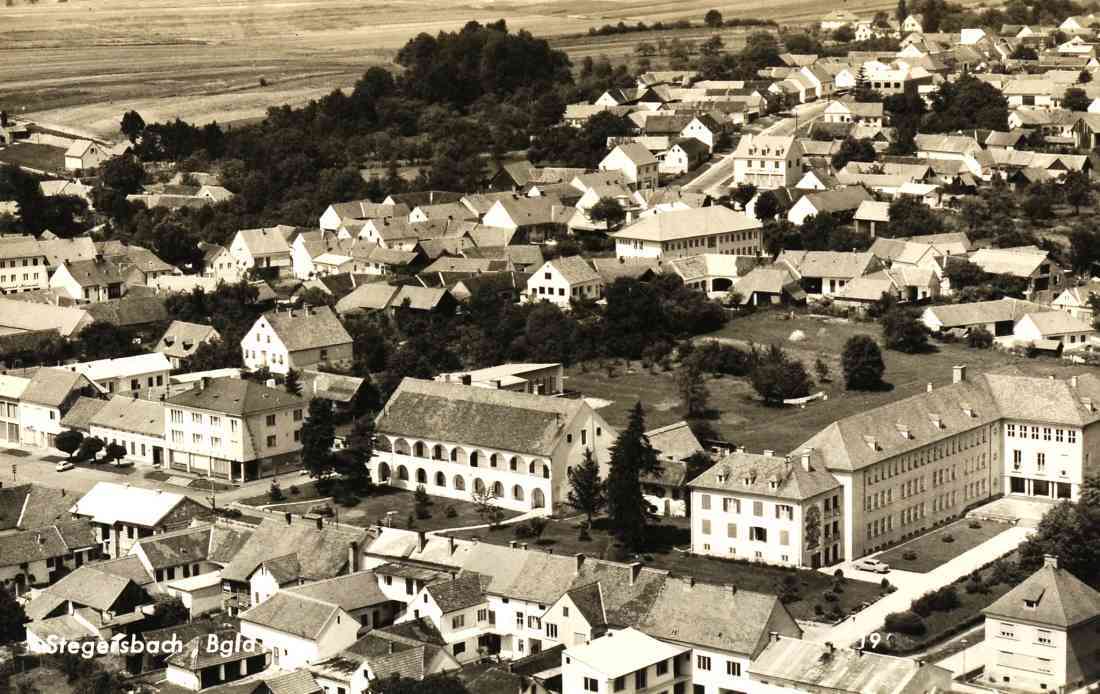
(839,200)
(459,593)
(574,269)
(674,441)
(1051,596)
(293,613)
(873,211)
(22,315)
(182,339)
(499,419)
(823,667)
(313,327)
(32,505)
(321,552)
(683,224)
(187,546)
(39,544)
(129,311)
(108,503)
(983,312)
(769,280)
(52,386)
(1021,262)
(134,415)
(1058,323)
(235,396)
(266,241)
(350,591)
(768,475)
(828,263)
(620,653)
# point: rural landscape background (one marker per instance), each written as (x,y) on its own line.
(79,64)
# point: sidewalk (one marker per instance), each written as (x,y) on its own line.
(912,586)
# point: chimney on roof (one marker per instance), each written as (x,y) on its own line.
(807,455)
(928,387)
(320,522)
(466,379)
(1050,560)
(289,516)
(523,546)
(511,544)
(496,383)
(830,646)
(691,581)
(203,382)
(958,373)
(579,559)
(353,557)
(1087,402)
(1073,381)
(421,540)
(768,452)
(635,569)
(733,589)
(451,545)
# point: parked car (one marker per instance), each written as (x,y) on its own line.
(63,466)
(873,565)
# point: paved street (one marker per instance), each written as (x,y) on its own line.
(32,468)
(912,586)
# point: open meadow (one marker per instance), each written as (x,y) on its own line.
(738,414)
(80,64)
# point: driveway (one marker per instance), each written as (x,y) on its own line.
(911,586)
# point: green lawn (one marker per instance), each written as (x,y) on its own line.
(743,419)
(374,508)
(932,551)
(562,537)
(941,625)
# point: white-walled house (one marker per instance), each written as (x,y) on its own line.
(85,154)
(305,338)
(637,165)
(44,402)
(136,425)
(459,609)
(768,161)
(262,248)
(562,280)
(625,661)
(1041,635)
(769,509)
(122,514)
(682,233)
(455,439)
(141,375)
(299,630)
(233,429)
(1057,326)
(89,280)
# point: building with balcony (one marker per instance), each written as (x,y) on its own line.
(770,509)
(233,429)
(456,439)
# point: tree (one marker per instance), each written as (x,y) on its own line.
(69,441)
(691,383)
(862,364)
(967,104)
(1084,242)
(1024,52)
(632,457)
(902,11)
(608,211)
(844,34)
(979,338)
(293,383)
(318,435)
(1068,531)
(1084,78)
(90,447)
(1078,190)
(132,125)
(486,501)
(712,46)
(587,492)
(821,370)
(852,149)
(909,216)
(114,451)
(1037,205)
(1075,99)
(767,206)
(776,377)
(903,331)
(12,619)
(123,174)
(168,611)
(713,19)
(743,193)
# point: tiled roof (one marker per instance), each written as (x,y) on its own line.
(458,593)
(589,602)
(828,263)
(21,315)
(187,546)
(682,224)
(129,310)
(766,475)
(675,441)
(1058,323)
(768,280)
(322,553)
(28,546)
(822,667)
(498,419)
(236,396)
(574,269)
(982,312)
(711,616)
(271,241)
(95,273)
(183,339)
(310,328)
(52,386)
(1050,596)
(350,591)
(32,506)
(293,614)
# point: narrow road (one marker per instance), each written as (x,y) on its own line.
(912,586)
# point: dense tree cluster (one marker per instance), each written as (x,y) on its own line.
(64,215)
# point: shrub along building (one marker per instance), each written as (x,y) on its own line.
(455,439)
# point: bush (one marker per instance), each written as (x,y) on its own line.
(948,537)
(975,585)
(819,610)
(1004,571)
(450,511)
(294,491)
(422,512)
(521,531)
(974,525)
(905,623)
(829,596)
(942,600)
(538,524)
(909,555)
(839,573)
(275,493)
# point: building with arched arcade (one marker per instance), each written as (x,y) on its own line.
(457,440)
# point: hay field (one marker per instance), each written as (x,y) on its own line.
(82,63)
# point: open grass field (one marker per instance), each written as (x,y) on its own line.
(931,550)
(744,420)
(82,63)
